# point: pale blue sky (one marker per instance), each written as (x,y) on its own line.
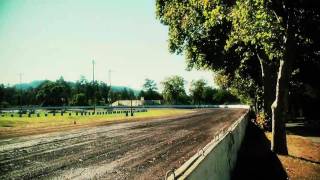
(46,39)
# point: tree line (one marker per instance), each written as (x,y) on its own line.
(62,93)
(86,93)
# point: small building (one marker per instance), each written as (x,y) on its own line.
(140,102)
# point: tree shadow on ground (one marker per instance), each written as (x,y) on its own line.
(255,159)
(303,128)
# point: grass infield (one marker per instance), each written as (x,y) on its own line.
(16,122)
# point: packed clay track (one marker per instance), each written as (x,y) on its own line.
(131,150)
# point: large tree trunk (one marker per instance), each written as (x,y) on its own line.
(280,105)
(268,74)
(279,110)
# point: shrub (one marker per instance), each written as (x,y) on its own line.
(262,121)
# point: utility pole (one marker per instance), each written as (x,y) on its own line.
(94,88)
(109,93)
(20,96)
(130,101)
(109,75)
(131,105)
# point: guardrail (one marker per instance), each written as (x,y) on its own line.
(123,107)
(218,158)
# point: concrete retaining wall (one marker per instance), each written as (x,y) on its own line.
(218,158)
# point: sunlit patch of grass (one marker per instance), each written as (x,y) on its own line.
(58,120)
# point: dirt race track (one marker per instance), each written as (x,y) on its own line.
(131,150)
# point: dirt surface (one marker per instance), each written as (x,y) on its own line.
(257,161)
(133,150)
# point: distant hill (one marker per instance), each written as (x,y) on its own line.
(120,88)
(33,84)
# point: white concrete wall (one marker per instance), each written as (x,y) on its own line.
(218,158)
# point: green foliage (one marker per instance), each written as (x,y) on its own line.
(4,104)
(8,95)
(79,100)
(149,91)
(61,92)
(150,95)
(201,93)
(256,26)
(173,90)
(197,91)
(224,97)
(149,85)
(54,93)
(210,34)
(102,93)
(229,37)
(225,37)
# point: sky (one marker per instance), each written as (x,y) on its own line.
(48,39)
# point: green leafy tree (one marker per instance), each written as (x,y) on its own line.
(208,94)
(224,35)
(103,93)
(29,97)
(45,94)
(150,85)
(204,31)
(54,93)
(2,89)
(149,90)
(173,90)
(197,91)
(222,96)
(9,96)
(64,90)
(80,100)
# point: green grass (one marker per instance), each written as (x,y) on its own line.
(58,120)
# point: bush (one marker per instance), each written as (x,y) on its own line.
(263,122)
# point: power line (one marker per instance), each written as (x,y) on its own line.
(109,75)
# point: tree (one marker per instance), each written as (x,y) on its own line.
(65,90)
(228,37)
(149,90)
(8,96)
(301,24)
(80,100)
(208,94)
(29,97)
(173,90)
(2,99)
(197,90)
(54,93)
(149,85)
(210,37)
(222,96)
(225,35)
(103,92)
(45,95)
